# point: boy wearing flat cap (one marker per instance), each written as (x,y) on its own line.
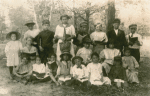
(118,36)
(135,41)
(45,41)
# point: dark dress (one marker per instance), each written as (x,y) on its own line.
(45,39)
(53,67)
(117,73)
(119,39)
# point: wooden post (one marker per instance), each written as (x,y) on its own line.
(110,14)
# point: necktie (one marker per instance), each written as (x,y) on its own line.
(64,35)
(132,35)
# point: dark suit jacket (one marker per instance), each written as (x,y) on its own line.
(119,39)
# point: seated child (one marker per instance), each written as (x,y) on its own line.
(96,73)
(108,55)
(23,70)
(131,65)
(79,72)
(51,67)
(39,72)
(64,68)
(85,52)
(117,73)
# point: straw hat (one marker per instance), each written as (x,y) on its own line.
(18,35)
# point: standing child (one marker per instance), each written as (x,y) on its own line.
(13,50)
(108,55)
(52,67)
(79,72)
(95,72)
(65,32)
(99,38)
(117,73)
(85,52)
(64,68)
(39,72)
(24,70)
(131,65)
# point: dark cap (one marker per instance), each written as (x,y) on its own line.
(83,24)
(68,17)
(133,26)
(45,22)
(87,40)
(76,57)
(117,58)
(111,41)
(116,21)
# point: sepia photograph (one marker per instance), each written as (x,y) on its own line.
(75,47)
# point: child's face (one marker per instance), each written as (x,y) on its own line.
(64,20)
(133,30)
(24,60)
(38,60)
(84,29)
(29,41)
(13,37)
(87,45)
(127,53)
(111,46)
(116,25)
(52,58)
(30,26)
(98,27)
(65,57)
(95,59)
(117,63)
(77,62)
(45,26)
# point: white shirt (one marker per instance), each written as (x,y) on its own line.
(33,33)
(40,68)
(99,36)
(116,31)
(135,46)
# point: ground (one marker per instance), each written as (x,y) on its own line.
(9,88)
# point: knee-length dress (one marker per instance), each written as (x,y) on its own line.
(12,50)
(100,38)
(109,55)
(60,32)
(131,64)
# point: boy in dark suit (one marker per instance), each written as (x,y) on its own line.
(118,36)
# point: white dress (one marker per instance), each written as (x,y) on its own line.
(85,54)
(12,50)
(109,55)
(70,30)
(96,73)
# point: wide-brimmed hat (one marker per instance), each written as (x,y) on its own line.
(83,24)
(18,35)
(68,17)
(133,26)
(65,53)
(76,57)
(116,21)
(29,22)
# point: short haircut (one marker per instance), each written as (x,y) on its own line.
(64,16)
(53,54)
(95,54)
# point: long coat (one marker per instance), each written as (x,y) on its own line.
(119,39)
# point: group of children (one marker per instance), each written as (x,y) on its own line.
(88,65)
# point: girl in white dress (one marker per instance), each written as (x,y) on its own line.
(64,32)
(13,49)
(96,73)
(99,39)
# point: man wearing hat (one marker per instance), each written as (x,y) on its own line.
(31,31)
(45,41)
(81,34)
(135,41)
(118,36)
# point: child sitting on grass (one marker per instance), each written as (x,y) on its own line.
(64,68)
(79,72)
(117,73)
(52,67)
(96,72)
(39,72)
(23,70)
(131,65)
(13,50)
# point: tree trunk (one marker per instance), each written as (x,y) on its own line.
(110,14)
(87,18)
(75,22)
